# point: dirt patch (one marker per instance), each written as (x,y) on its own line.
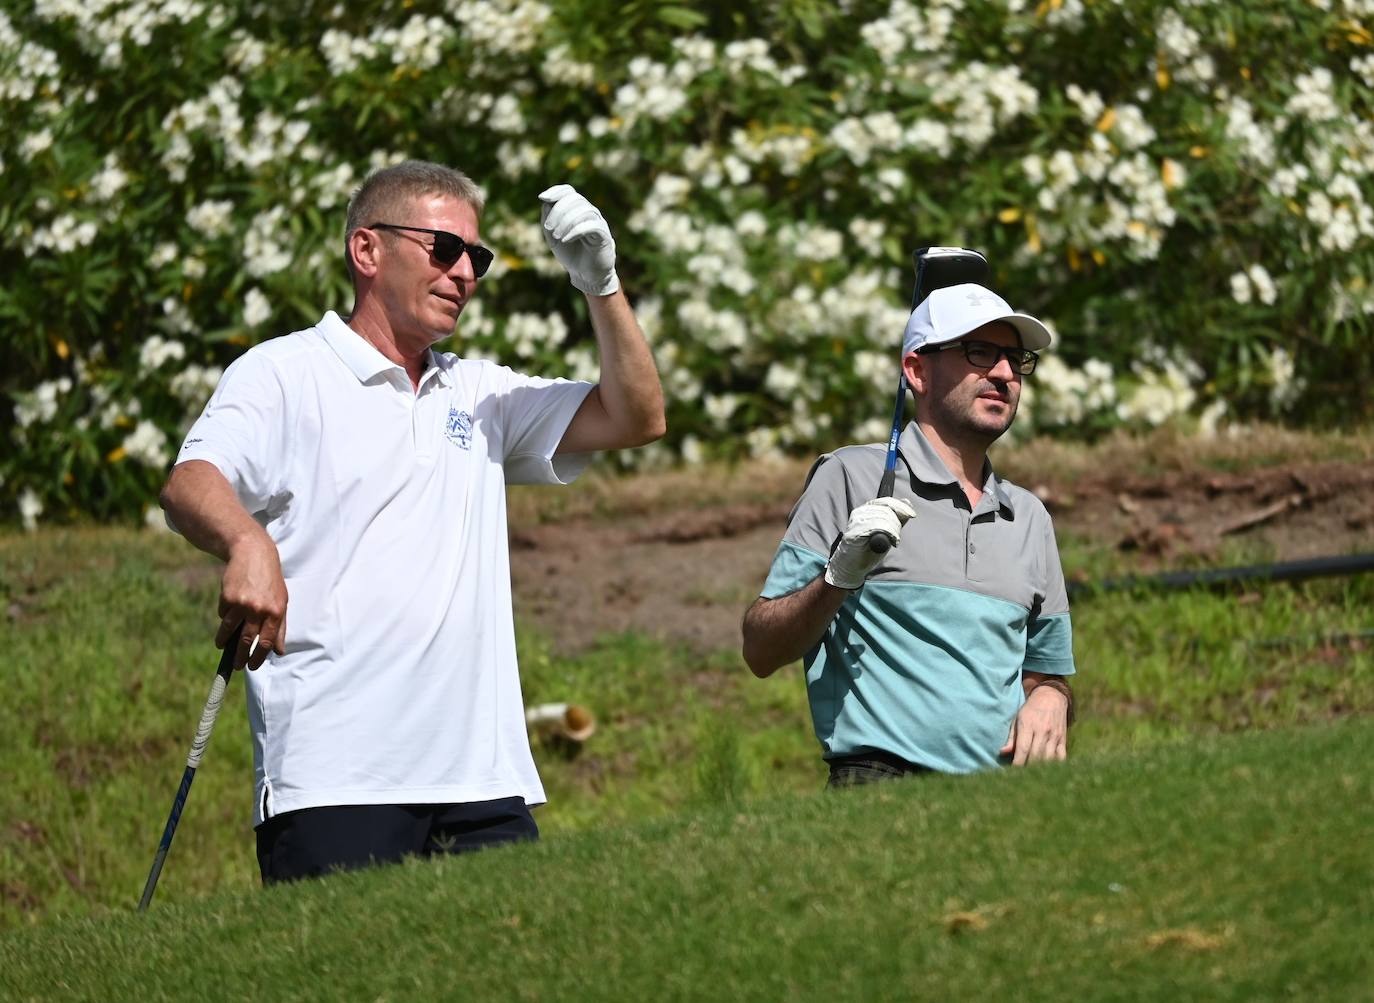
(686,572)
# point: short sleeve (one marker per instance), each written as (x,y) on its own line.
(816,521)
(822,511)
(1049,635)
(535,413)
(242,430)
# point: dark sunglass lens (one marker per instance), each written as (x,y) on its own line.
(448,247)
(481,259)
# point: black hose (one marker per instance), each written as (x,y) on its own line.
(1282,571)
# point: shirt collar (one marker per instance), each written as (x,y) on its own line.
(363,360)
(925,465)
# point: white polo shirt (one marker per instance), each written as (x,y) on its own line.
(388,507)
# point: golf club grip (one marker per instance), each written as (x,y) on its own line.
(881,543)
(213,702)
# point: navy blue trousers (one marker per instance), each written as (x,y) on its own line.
(316,841)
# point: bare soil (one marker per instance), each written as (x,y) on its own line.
(681,558)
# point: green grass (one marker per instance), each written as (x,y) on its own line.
(1230,868)
(107,666)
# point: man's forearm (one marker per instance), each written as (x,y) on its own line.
(205,510)
(780,631)
(629,388)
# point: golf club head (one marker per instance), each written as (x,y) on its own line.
(938,267)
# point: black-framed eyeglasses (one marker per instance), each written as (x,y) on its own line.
(448,247)
(984,355)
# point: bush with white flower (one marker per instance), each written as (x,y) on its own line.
(1182,189)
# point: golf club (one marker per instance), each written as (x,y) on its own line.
(207,723)
(936,267)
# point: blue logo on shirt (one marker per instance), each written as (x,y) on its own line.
(458,428)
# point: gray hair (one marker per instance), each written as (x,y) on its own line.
(389,193)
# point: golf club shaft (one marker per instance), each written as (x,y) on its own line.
(936,267)
(880,543)
(198,744)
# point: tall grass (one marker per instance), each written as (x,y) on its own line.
(1234,868)
(108,663)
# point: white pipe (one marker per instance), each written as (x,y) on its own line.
(566,720)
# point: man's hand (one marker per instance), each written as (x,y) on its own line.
(852,559)
(1041,728)
(253,593)
(580,239)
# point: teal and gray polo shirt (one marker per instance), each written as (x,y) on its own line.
(925,661)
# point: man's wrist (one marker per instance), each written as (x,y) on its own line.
(1060,687)
(834,579)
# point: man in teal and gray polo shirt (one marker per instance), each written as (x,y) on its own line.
(949,651)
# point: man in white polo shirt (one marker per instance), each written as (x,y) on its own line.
(948,652)
(353,481)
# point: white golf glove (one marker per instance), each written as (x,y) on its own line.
(853,560)
(580,239)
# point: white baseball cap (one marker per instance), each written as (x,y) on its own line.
(954,311)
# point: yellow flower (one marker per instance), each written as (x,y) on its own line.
(1099,257)
(1197,152)
(1357,34)
(1162,76)
(1107,120)
(60,347)
(115,455)
(1169,173)
(573,162)
(512,262)
(1009,215)
(1075,262)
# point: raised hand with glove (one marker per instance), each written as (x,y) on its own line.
(853,559)
(580,239)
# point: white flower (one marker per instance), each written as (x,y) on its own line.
(868,234)
(1240,287)
(157,350)
(256,308)
(262,254)
(110,180)
(147,444)
(1285,386)
(193,384)
(163,254)
(1314,98)
(1264,285)
(35,143)
(692,453)
(210,219)
(781,380)
(1209,421)
(30,508)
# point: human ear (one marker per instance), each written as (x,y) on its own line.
(915,368)
(364,246)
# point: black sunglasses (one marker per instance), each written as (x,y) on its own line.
(984,355)
(448,247)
